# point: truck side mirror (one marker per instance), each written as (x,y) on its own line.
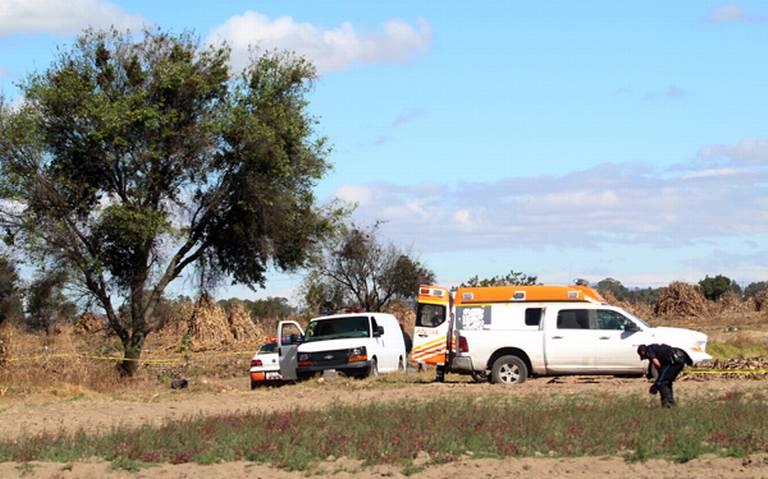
(379,331)
(631,327)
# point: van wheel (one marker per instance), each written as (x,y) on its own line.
(254,384)
(400,364)
(509,370)
(374,370)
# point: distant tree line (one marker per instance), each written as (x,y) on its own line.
(712,287)
(513,278)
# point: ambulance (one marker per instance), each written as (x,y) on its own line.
(507,334)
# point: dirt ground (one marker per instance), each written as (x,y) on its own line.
(529,468)
(71,410)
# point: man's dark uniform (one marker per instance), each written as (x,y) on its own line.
(672,360)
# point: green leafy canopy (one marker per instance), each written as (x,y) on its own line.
(136,157)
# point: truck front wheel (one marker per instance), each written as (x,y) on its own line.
(509,370)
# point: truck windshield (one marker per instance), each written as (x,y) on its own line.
(337,328)
(627,313)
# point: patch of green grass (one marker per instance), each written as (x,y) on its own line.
(411,469)
(126,464)
(737,348)
(445,430)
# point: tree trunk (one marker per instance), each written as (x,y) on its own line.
(131,354)
(133,345)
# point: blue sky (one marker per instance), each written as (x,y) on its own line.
(564,139)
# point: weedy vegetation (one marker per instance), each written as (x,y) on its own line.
(741,347)
(395,433)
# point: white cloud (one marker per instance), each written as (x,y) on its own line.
(747,151)
(329,49)
(354,194)
(731,13)
(711,172)
(726,13)
(463,216)
(608,204)
(62,17)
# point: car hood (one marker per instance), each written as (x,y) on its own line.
(685,336)
(332,344)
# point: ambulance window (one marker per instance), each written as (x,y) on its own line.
(533,316)
(430,315)
(573,319)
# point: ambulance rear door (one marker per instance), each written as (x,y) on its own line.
(432,325)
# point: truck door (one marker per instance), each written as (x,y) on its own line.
(431,329)
(618,338)
(570,339)
(289,336)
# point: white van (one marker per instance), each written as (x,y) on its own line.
(356,344)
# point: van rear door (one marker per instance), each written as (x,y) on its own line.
(289,336)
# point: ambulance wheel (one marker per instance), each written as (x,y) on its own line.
(509,370)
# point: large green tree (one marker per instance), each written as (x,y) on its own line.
(135,158)
(715,286)
(614,287)
(356,269)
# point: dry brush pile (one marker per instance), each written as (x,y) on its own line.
(206,326)
(743,368)
(681,300)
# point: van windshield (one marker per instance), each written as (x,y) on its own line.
(338,328)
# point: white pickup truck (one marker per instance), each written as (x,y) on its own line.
(541,332)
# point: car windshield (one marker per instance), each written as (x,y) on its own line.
(337,328)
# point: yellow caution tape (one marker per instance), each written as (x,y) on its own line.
(120,358)
(727,371)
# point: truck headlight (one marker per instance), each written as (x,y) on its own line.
(357,354)
(699,346)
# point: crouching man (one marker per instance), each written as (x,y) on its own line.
(669,362)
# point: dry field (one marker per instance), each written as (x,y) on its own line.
(52,390)
(71,409)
